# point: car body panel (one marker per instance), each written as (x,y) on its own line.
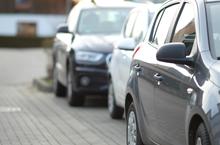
(120,61)
(143,77)
(171,101)
(215,70)
(119,66)
(102,43)
(184,93)
(64,39)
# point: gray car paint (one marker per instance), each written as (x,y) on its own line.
(174,108)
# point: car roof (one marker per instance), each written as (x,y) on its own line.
(151,7)
(109,7)
(118,5)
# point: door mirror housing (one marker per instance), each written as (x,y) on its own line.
(174,53)
(63,28)
(127,44)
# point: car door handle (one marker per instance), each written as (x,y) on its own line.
(158,77)
(137,67)
(190,91)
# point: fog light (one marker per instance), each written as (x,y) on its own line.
(84,81)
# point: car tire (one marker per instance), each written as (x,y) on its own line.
(58,88)
(202,136)
(115,111)
(73,98)
(133,136)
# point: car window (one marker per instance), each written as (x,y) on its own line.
(102,21)
(157,21)
(160,32)
(73,18)
(130,24)
(141,26)
(185,28)
(213,9)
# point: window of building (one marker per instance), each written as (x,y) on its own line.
(22,5)
(35,6)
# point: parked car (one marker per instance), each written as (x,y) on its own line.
(173,92)
(85,42)
(133,32)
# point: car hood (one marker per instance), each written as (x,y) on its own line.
(95,43)
(215,73)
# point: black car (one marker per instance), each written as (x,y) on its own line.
(84,43)
(173,93)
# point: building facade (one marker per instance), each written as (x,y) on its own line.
(32,18)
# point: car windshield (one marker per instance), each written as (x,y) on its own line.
(213,26)
(102,20)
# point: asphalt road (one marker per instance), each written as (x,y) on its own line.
(31,117)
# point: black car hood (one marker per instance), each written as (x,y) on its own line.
(95,43)
(215,73)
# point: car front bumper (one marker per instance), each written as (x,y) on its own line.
(90,80)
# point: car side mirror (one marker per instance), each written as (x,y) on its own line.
(63,28)
(127,44)
(174,53)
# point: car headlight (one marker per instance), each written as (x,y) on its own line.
(88,57)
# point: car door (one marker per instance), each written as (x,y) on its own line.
(145,69)
(124,68)
(121,60)
(138,33)
(173,83)
(65,40)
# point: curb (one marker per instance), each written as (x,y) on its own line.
(42,85)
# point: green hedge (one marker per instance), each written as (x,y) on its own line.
(24,42)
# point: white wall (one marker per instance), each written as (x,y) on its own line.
(46,24)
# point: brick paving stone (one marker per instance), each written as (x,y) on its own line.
(30,117)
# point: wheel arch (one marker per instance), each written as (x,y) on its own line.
(69,58)
(109,76)
(194,123)
(128,101)
(67,65)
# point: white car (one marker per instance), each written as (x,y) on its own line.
(133,32)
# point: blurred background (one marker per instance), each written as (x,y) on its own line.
(28,30)
(37,20)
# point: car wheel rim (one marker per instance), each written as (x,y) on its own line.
(132,129)
(110,98)
(69,86)
(198,141)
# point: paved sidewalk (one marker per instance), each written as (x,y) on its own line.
(19,66)
(29,117)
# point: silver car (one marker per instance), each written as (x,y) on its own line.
(133,32)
